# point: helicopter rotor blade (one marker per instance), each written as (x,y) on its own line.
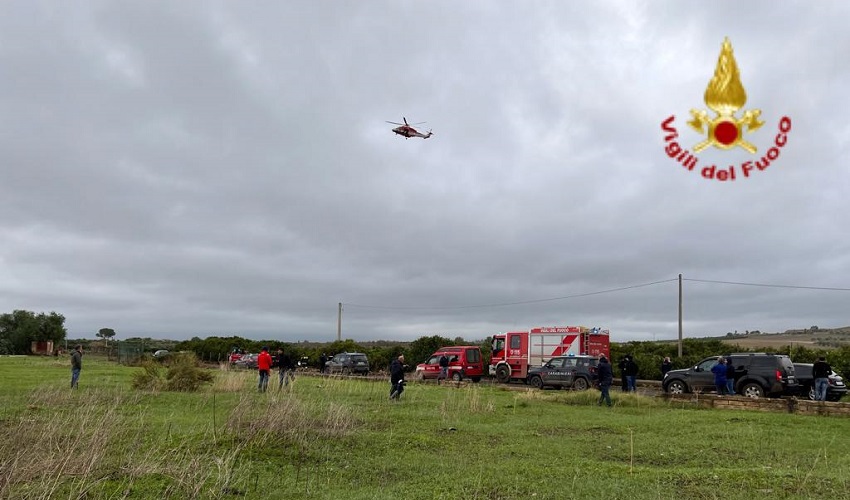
(405,120)
(394,123)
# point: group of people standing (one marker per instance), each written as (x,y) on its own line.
(265,362)
(724,377)
(628,372)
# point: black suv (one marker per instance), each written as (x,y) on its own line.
(757,374)
(834,391)
(577,372)
(348,363)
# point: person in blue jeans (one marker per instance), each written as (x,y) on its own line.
(820,372)
(730,377)
(76,365)
(630,370)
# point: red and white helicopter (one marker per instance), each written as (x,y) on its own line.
(404,129)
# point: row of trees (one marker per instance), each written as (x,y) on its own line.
(380,353)
(648,355)
(19,329)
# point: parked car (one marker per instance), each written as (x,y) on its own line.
(465,361)
(235,355)
(576,372)
(348,363)
(756,375)
(246,361)
(161,353)
(835,391)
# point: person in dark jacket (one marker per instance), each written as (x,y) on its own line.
(323,360)
(631,371)
(444,369)
(820,372)
(666,366)
(719,371)
(623,378)
(397,377)
(730,377)
(285,369)
(76,365)
(606,378)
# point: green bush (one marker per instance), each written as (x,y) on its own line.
(183,374)
(150,378)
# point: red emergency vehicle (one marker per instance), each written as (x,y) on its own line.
(515,352)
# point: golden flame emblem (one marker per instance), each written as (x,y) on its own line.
(725,95)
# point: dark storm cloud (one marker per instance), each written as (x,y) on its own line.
(195,168)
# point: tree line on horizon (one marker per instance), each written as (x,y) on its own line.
(20,328)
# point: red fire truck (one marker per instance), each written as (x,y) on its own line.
(515,352)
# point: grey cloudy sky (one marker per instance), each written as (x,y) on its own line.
(173,169)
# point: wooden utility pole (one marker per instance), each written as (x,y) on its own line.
(680,315)
(339,326)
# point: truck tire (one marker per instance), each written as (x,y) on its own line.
(476,379)
(457,376)
(503,374)
(536,382)
(580,384)
(752,390)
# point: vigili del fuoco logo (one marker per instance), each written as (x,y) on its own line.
(725,96)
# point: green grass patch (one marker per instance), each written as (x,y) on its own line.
(341,438)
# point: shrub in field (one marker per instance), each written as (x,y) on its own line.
(184,374)
(150,378)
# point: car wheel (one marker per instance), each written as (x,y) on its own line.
(677,387)
(536,382)
(503,374)
(457,377)
(346,371)
(752,390)
(476,379)
(580,384)
(811,392)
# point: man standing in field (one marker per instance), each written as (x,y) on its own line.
(606,378)
(397,377)
(444,369)
(76,364)
(820,372)
(264,365)
(285,369)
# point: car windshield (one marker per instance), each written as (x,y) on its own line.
(556,362)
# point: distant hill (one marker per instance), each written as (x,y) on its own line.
(812,338)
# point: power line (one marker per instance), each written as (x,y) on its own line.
(834,289)
(503,304)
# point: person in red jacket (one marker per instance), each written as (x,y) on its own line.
(264,365)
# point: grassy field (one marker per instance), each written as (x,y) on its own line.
(332,438)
